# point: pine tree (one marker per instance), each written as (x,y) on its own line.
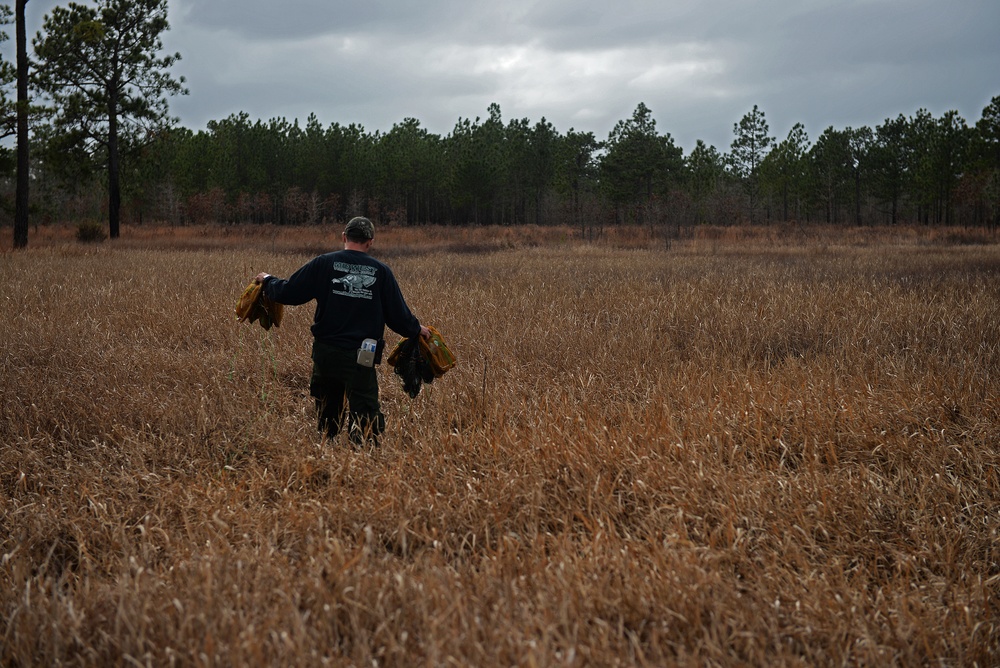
(747,152)
(102,71)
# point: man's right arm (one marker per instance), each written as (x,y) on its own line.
(299,288)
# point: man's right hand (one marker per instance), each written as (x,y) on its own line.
(261,277)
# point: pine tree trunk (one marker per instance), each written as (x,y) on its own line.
(114,173)
(21,200)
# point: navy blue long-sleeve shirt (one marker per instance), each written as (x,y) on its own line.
(356,297)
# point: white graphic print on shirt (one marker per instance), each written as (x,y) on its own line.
(357,281)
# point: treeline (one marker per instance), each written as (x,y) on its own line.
(104,147)
(487,171)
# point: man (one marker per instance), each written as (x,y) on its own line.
(356,297)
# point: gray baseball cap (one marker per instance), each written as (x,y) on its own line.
(360,228)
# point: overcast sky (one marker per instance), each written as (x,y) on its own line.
(699,65)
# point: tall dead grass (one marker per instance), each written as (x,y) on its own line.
(734,452)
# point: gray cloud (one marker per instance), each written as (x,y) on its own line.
(698,64)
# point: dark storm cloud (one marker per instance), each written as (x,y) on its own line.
(254,20)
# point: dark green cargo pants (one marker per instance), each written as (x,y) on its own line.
(340,385)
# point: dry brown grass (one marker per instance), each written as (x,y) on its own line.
(747,450)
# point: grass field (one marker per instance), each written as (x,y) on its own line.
(769,447)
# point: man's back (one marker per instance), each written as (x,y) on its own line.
(356,297)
